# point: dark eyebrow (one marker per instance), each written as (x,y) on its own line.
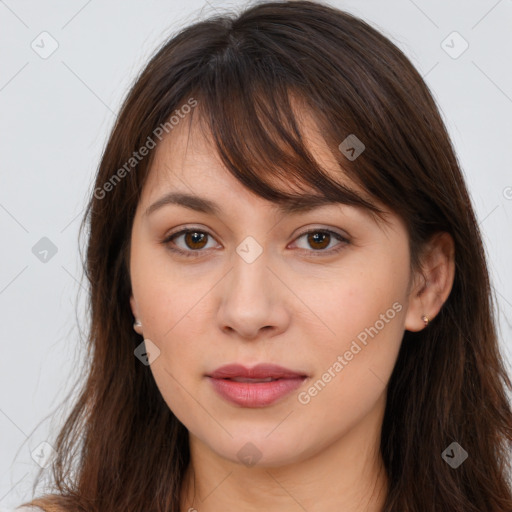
(200,204)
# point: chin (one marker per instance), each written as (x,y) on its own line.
(258,450)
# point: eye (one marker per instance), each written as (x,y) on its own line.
(195,240)
(319,239)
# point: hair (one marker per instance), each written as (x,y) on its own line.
(449,383)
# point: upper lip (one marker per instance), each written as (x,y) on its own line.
(260,371)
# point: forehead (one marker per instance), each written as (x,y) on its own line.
(187,170)
(188,157)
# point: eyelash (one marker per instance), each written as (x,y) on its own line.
(197,253)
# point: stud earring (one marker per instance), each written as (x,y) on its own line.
(426,319)
(136,324)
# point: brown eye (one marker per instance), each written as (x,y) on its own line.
(193,244)
(319,240)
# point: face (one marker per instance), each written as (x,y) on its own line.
(248,285)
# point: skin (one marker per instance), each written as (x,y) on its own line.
(288,307)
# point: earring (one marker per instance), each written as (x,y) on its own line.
(426,319)
(136,324)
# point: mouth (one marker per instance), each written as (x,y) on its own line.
(259,386)
(260,372)
(245,379)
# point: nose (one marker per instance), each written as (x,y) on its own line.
(253,300)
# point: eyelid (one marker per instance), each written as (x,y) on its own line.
(344,239)
(181,231)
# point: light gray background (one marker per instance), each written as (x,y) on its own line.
(56,114)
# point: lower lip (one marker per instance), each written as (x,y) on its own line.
(257,394)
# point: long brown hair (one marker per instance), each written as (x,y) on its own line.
(121,448)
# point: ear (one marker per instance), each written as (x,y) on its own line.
(433,283)
(133,305)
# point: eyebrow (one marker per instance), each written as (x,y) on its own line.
(201,204)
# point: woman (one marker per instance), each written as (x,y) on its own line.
(289,295)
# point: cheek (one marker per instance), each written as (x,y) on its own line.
(166,295)
(364,311)
(360,301)
(169,305)
(354,369)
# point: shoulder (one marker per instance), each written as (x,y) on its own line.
(34,508)
(49,503)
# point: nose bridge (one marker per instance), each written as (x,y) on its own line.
(250,273)
(249,299)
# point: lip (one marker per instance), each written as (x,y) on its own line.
(255,394)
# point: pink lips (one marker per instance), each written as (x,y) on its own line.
(259,386)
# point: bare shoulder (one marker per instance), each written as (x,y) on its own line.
(34,508)
(46,504)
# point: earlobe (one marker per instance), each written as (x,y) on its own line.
(137,324)
(433,284)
